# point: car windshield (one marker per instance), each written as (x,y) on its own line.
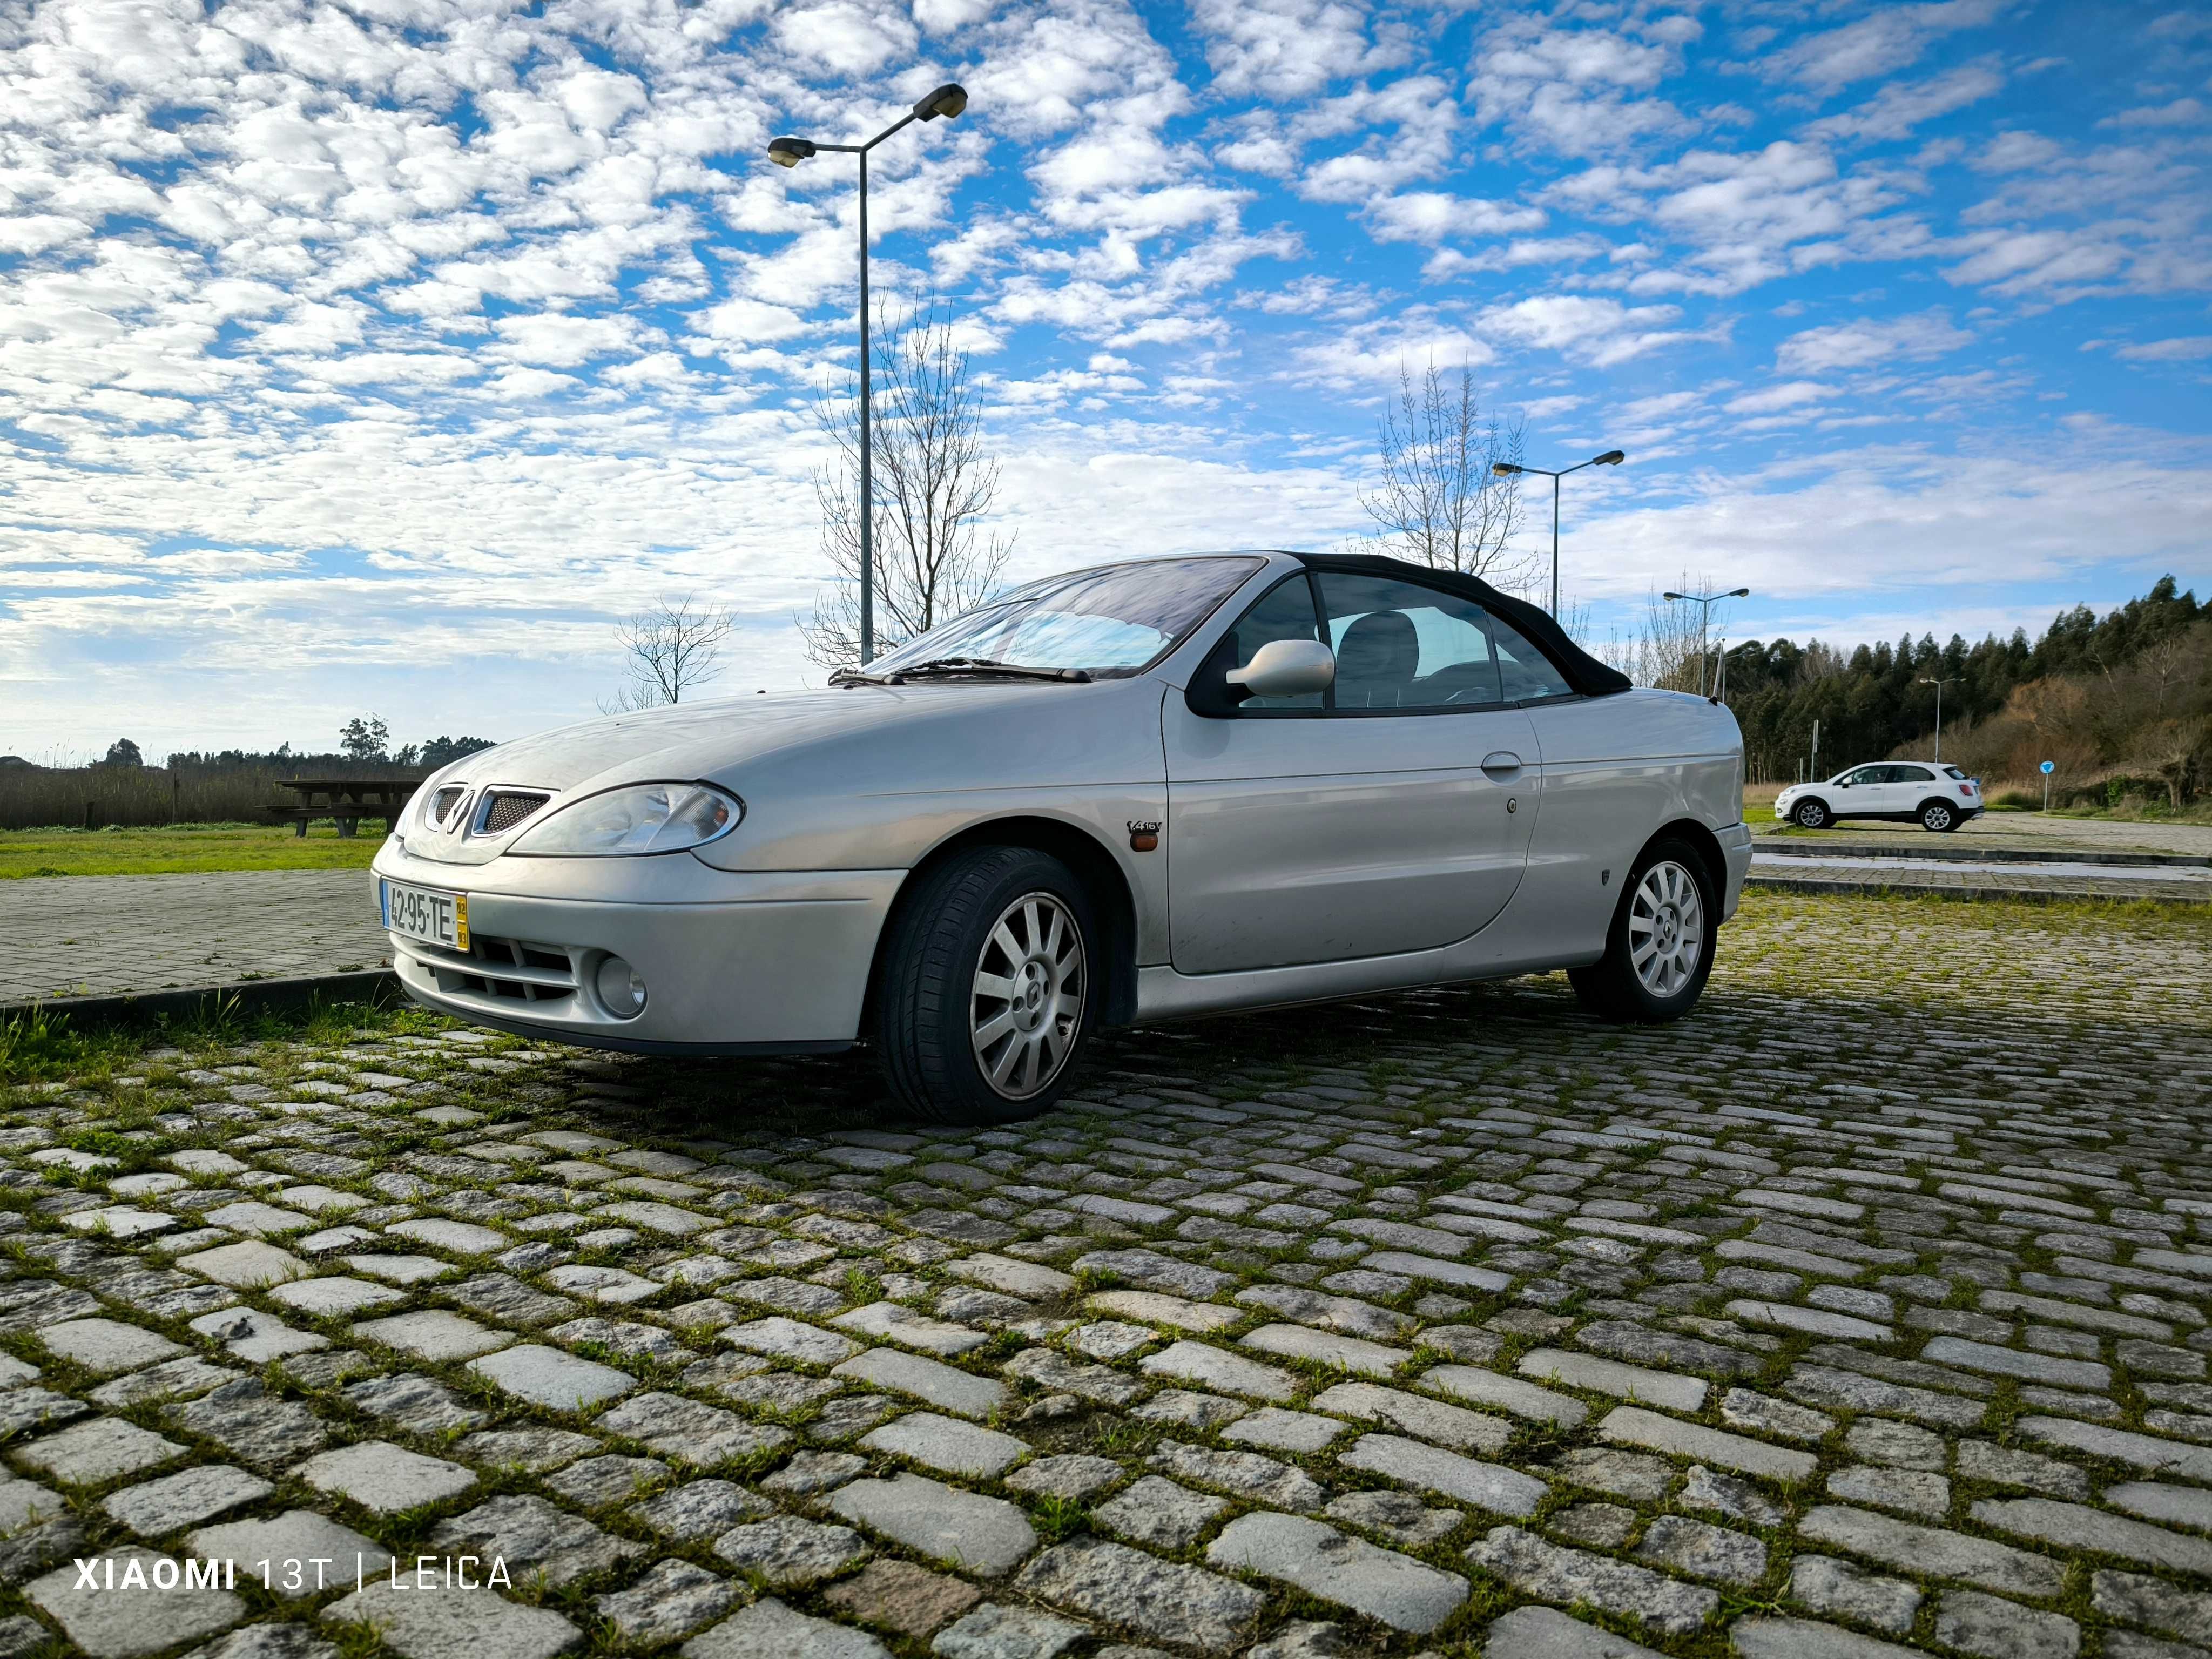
(1107,622)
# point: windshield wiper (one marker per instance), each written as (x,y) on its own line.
(856,676)
(987,665)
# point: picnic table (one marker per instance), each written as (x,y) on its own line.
(347,799)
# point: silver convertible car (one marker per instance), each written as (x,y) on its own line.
(1129,793)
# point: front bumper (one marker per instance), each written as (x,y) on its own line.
(1735,854)
(733,962)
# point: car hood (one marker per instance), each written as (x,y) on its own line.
(689,741)
(713,741)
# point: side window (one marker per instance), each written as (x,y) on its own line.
(1866,774)
(1284,611)
(1911,774)
(1400,646)
(1524,671)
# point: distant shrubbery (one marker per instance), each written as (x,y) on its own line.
(2121,704)
(231,786)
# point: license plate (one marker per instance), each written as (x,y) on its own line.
(433,918)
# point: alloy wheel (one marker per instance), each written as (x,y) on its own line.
(1936,817)
(1027,1002)
(1666,928)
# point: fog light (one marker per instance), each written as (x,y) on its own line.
(621,987)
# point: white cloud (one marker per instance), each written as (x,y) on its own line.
(1890,38)
(2182,349)
(1910,520)
(1897,108)
(1285,49)
(1431,215)
(846,37)
(1794,394)
(1579,91)
(1367,355)
(2181,112)
(1868,343)
(1598,331)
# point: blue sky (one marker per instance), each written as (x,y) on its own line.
(377,356)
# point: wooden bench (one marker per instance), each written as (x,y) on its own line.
(348,800)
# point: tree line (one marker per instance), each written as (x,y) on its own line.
(2094,695)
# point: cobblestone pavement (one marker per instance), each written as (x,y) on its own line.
(108,935)
(1863,1313)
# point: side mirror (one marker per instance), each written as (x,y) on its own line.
(1286,668)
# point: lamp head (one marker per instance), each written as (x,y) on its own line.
(947,100)
(790,152)
(1739,593)
(1610,458)
(1674,596)
(1503,469)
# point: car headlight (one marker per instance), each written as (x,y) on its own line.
(633,821)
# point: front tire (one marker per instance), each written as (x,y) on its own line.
(1659,952)
(1811,814)
(985,1000)
(1939,817)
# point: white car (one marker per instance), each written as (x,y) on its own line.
(1937,797)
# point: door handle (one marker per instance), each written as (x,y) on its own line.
(1501,766)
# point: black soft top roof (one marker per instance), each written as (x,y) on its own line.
(1583,671)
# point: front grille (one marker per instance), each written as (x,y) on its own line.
(505,808)
(443,803)
(502,970)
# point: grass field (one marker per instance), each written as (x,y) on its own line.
(183,848)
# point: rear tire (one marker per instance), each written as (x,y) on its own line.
(1659,950)
(986,998)
(1939,816)
(1811,815)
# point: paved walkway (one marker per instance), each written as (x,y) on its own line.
(1813,869)
(112,935)
(1861,1315)
(2021,830)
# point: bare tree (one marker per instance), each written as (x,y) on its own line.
(1438,502)
(669,651)
(1669,649)
(934,486)
(2161,662)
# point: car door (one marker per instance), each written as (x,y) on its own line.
(1908,787)
(1864,794)
(1390,813)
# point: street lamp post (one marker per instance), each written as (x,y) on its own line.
(947,100)
(1704,617)
(1509,469)
(1947,679)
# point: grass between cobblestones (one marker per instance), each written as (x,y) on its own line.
(1689,1202)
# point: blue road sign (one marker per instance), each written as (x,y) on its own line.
(2048,768)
